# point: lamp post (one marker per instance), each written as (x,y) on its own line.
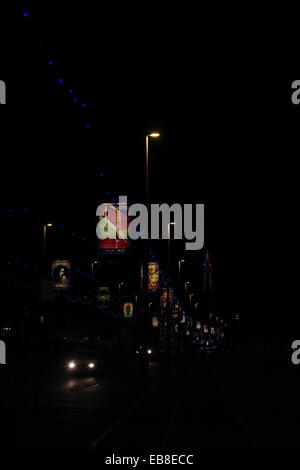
(45,227)
(93,262)
(179,318)
(168,338)
(144,273)
(36,352)
(152,135)
(179,274)
(179,269)
(145,266)
(120,287)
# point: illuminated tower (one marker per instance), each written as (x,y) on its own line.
(207,274)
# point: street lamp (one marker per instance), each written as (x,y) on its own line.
(191,309)
(44,243)
(120,285)
(45,232)
(169,245)
(168,297)
(186,285)
(144,273)
(179,269)
(93,262)
(152,135)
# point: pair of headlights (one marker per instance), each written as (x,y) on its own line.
(149,351)
(72,365)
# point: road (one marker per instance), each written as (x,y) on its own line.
(202,404)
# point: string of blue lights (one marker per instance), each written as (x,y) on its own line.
(70,92)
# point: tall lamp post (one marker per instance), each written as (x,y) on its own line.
(191,304)
(179,274)
(120,287)
(179,318)
(36,355)
(179,269)
(144,273)
(93,287)
(45,227)
(93,263)
(152,135)
(168,298)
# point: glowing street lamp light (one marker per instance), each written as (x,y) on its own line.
(179,269)
(144,272)
(93,262)
(45,231)
(153,135)
(168,338)
(44,244)
(120,286)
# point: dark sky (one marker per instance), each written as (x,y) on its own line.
(213,81)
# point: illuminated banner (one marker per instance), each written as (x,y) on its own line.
(112,228)
(61,270)
(153,277)
(103,297)
(128,310)
(164,296)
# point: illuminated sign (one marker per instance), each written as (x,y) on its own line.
(153,277)
(164,296)
(109,226)
(61,270)
(112,228)
(103,297)
(128,309)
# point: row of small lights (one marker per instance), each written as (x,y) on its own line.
(61,81)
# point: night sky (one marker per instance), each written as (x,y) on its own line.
(211,80)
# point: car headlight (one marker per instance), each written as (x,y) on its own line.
(149,351)
(72,365)
(91,365)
